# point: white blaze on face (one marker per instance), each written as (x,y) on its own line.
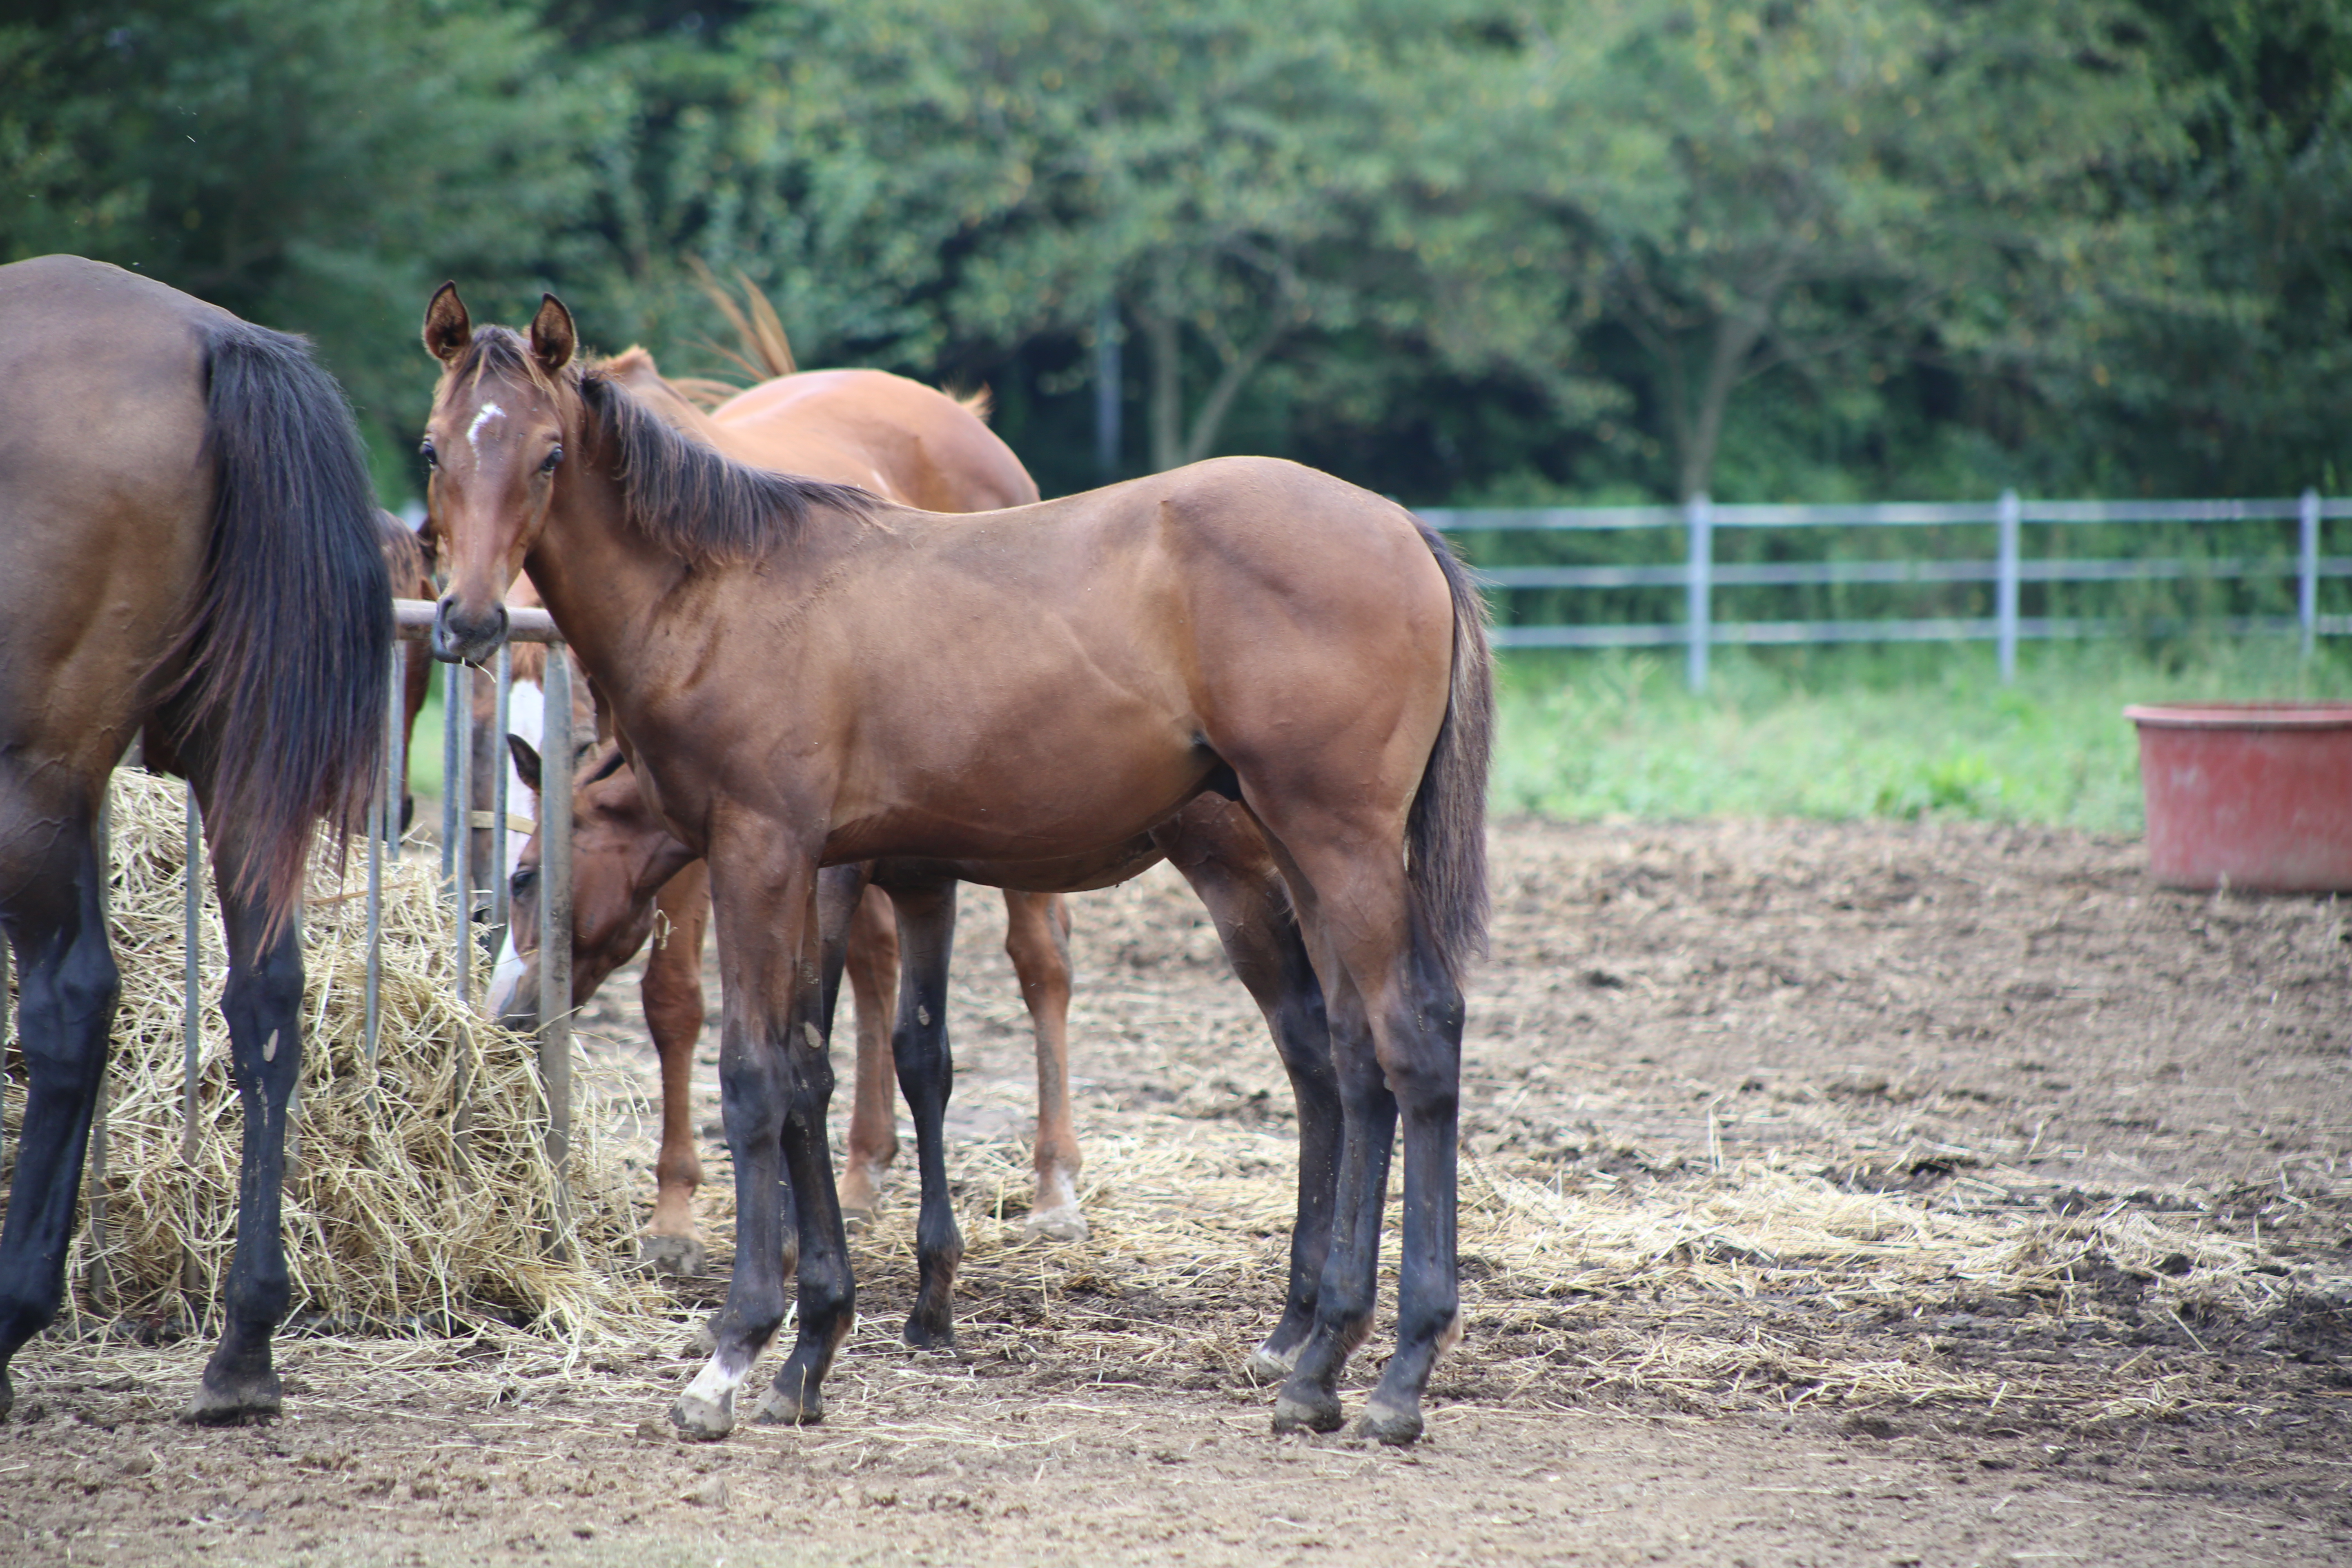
(488,412)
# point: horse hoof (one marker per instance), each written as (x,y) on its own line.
(1392,1425)
(777,1408)
(702,1339)
(233,1404)
(1062,1224)
(1319,1413)
(680,1256)
(702,1420)
(926,1333)
(856,1217)
(1266,1365)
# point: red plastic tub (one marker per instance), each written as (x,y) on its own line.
(2255,795)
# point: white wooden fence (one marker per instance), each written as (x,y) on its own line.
(1699,573)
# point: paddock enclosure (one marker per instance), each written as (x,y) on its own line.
(1867,1193)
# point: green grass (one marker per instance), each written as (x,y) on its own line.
(1865,731)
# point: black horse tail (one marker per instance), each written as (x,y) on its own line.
(281,701)
(1445,833)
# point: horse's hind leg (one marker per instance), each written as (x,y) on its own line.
(1225,857)
(262,1001)
(918,1044)
(1037,939)
(67,986)
(671,992)
(1396,1036)
(873,1141)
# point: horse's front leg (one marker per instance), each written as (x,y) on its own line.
(771,1013)
(67,990)
(671,991)
(1037,939)
(262,1001)
(828,1296)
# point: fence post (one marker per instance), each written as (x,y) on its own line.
(2005,593)
(496,871)
(192,1013)
(458,811)
(1700,513)
(555,933)
(2308,588)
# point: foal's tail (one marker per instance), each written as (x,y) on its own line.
(1445,834)
(282,700)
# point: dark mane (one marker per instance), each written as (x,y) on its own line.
(692,499)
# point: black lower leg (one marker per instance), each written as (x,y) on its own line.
(66,989)
(262,1002)
(1303,1035)
(926,1064)
(828,1298)
(1344,1296)
(1425,1066)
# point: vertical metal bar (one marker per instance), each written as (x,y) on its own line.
(395,743)
(497,869)
(94,1164)
(395,775)
(555,932)
(1699,513)
(458,782)
(453,808)
(2307,604)
(192,1013)
(2005,596)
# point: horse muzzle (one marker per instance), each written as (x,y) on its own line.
(459,638)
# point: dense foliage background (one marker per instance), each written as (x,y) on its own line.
(1458,250)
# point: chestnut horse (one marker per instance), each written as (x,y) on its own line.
(915,445)
(189,552)
(806,675)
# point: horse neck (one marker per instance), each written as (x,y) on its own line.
(603,581)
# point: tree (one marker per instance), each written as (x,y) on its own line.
(1896,177)
(315,165)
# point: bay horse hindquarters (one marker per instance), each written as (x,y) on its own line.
(188,548)
(1041,684)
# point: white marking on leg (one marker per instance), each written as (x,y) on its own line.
(488,412)
(715,1383)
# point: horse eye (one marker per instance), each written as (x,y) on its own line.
(552,459)
(432,458)
(524,878)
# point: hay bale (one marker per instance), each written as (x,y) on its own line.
(419,1193)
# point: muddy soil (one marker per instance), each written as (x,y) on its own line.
(2001,1026)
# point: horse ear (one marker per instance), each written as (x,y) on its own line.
(447,327)
(552,338)
(526,762)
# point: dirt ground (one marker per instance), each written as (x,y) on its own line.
(1869,1193)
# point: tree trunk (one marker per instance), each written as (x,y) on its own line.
(1699,434)
(1162,329)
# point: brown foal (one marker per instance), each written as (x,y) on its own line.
(806,675)
(912,444)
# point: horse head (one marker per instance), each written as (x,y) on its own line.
(621,856)
(504,414)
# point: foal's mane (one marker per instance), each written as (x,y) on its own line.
(686,496)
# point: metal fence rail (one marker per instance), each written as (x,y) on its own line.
(1700,575)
